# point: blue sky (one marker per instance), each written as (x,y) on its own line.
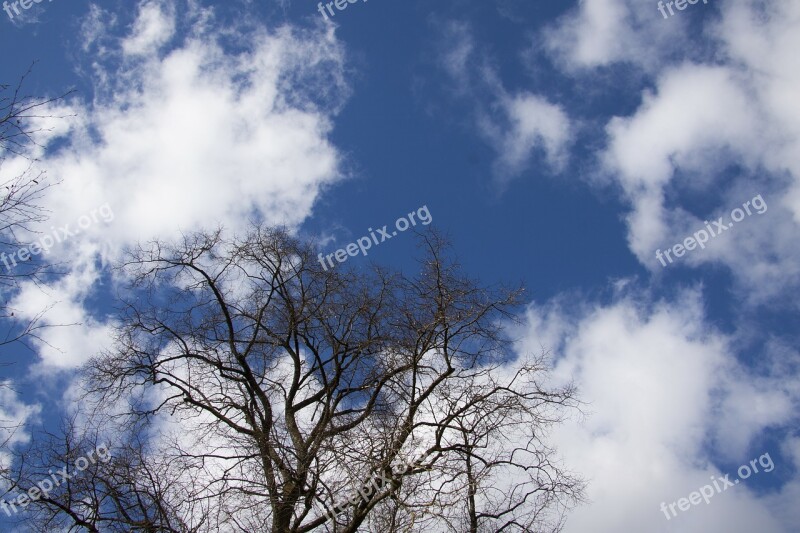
(559,145)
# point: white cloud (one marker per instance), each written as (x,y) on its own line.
(184,137)
(533,123)
(655,379)
(763,39)
(598,33)
(73,334)
(690,115)
(726,130)
(154,26)
(516,125)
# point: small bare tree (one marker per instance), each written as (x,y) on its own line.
(289,398)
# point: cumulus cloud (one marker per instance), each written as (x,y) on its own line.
(762,39)
(597,33)
(673,401)
(655,378)
(185,133)
(722,128)
(690,115)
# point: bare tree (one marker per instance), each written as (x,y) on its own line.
(280,390)
(67,495)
